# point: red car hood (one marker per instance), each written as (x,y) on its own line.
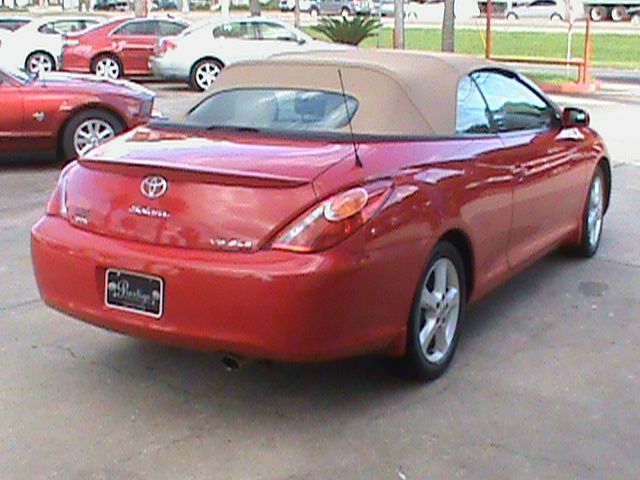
(221,188)
(91,83)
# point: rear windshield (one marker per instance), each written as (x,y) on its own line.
(281,110)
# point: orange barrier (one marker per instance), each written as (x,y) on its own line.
(583,64)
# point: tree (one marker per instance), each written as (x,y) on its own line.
(254,8)
(345,30)
(448,26)
(296,12)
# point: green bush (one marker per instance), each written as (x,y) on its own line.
(346,30)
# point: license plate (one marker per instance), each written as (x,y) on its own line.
(134,292)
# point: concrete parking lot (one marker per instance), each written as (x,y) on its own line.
(545,383)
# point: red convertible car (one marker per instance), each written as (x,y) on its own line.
(322,205)
(64,114)
(120,47)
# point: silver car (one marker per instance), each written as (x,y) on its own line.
(538,9)
(198,55)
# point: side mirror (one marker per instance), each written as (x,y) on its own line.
(300,41)
(574,117)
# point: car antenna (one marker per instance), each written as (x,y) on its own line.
(346,106)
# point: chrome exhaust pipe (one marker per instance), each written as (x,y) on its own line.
(232,362)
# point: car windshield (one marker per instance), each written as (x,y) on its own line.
(283,110)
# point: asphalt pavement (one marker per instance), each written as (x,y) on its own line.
(545,383)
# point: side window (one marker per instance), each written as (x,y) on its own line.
(244,30)
(137,28)
(273,31)
(169,28)
(67,26)
(513,105)
(472,114)
(47,28)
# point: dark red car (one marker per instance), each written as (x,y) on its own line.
(117,48)
(324,205)
(65,114)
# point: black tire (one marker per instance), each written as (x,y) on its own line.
(314,12)
(587,248)
(67,146)
(193,82)
(599,14)
(512,16)
(415,363)
(345,12)
(619,13)
(47,56)
(113,58)
(556,16)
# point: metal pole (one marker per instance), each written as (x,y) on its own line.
(586,77)
(488,48)
(398,31)
(224,7)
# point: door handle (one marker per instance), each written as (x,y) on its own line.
(39,116)
(518,173)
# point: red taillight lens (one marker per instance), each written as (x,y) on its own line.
(165,46)
(57,205)
(334,219)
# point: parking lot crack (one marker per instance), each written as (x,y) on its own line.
(15,306)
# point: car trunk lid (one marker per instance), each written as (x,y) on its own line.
(223,192)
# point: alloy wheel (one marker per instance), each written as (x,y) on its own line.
(439,310)
(40,62)
(107,67)
(206,75)
(91,133)
(595,211)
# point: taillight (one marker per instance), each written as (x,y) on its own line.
(57,205)
(333,220)
(70,42)
(165,46)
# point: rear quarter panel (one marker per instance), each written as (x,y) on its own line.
(440,186)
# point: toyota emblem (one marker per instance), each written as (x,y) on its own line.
(154,186)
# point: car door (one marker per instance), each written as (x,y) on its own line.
(237,41)
(134,42)
(540,9)
(489,183)
(548,166)
(331,7)
(12,139)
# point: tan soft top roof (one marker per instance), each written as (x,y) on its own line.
(399,92)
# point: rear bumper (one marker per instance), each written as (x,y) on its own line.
(168,70)
(268,304)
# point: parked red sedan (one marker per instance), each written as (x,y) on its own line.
(324,205)
(65,114)
(117,48)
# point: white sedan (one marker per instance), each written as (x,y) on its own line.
(37,46)
(199,54)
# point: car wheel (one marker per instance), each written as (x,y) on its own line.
(512,17)
(107,66)
(635,19)
(593,216)
(437,314)
(314,12)
(345,13)
(556,17)
(205,73)
(618,13)
(598,14)
(88,129)
(40,62)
